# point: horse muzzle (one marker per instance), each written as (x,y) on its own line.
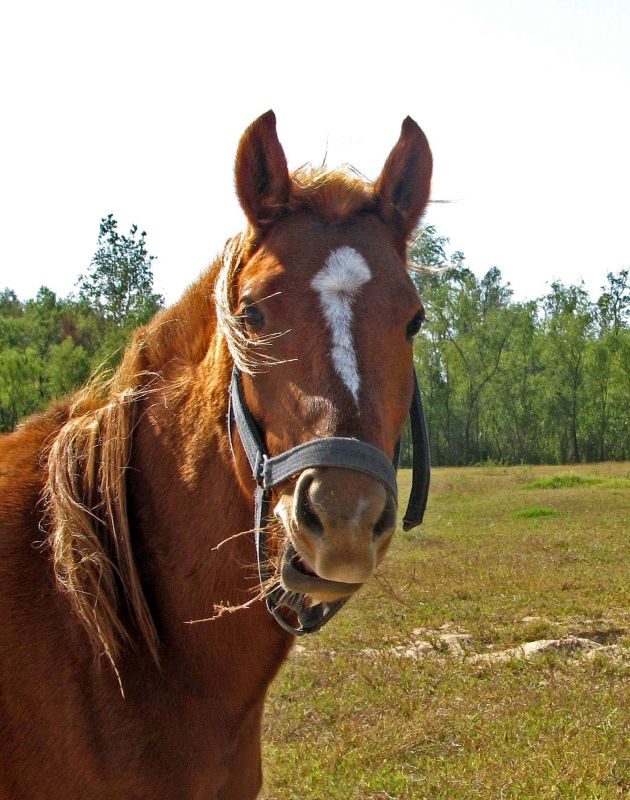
(335,566)
(339,523)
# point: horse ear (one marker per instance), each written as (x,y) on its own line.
(262,178)
(403,188)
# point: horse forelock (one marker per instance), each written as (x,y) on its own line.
(332,194)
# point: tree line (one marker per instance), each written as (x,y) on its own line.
(543,381)
(50,345)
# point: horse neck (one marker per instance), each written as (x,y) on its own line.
(191,513)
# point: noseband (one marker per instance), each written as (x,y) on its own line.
(335,451)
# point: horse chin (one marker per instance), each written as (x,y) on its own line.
(298,576)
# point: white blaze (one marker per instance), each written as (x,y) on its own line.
(337,284)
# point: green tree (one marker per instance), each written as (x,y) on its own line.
(119,282)
(10,306)
(569,324)
(512,407)
(68,367)
(50,345)
(468,327)
(606,417)
(613,306)
(19,385)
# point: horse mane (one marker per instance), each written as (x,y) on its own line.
(86,508)
(85,491)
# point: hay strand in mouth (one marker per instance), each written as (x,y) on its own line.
(220,609)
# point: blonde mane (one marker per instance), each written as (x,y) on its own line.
(90,538)
(85,492)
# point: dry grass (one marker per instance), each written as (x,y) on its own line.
(344,724)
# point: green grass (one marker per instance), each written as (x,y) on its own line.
(565,481)
(343,724)
(529,513)
(570,480)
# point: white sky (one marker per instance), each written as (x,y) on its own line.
(136,108)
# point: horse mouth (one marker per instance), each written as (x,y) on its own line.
(298,576)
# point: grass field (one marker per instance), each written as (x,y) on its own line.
(403,695)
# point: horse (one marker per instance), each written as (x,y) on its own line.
(136,643)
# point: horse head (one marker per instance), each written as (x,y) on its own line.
(319,313)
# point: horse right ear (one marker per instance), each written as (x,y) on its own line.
(262,177)
(403,188)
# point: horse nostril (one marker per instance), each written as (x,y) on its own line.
(387,520)
(305,515)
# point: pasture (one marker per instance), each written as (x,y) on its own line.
(404,696)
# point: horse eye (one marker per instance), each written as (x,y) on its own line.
(254,318)
(414,325)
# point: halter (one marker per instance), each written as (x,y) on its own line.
(335,451)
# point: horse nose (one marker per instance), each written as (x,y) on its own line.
(343,522)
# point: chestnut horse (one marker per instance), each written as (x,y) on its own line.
(126,511)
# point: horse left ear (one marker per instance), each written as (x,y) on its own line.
(262,177)
(403,188)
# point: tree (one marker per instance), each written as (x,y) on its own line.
(50,345)
(119,282)
(68,367)
(19,385)
(569,323)
(468,325)
(613,305)
(10,306)
(608,419)
(515,396)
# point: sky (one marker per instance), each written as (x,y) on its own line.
(135,108)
